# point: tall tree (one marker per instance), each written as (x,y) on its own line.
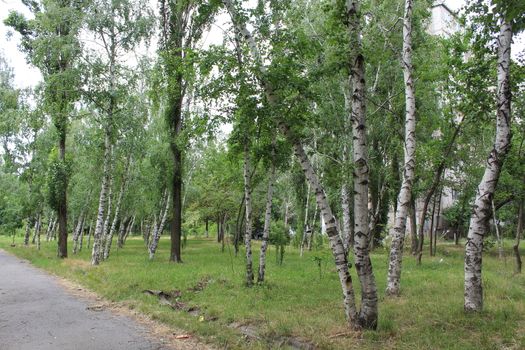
(51,43)
(481,212)
(404,196)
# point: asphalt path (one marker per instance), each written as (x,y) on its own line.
(37,313)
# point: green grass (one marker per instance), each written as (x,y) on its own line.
(296,302)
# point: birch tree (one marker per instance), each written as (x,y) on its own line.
(404,196)
(481,212)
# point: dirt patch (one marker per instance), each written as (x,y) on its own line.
(172,338)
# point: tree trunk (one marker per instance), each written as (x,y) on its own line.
(403,200)
(62,200)
(348,239)
(82,236)
(368,314)
(207,232)
(306,228)
(496,228)
(248,205)
(107,221)
(109,240)
(413,225)
(90,230)
(37,231)
(267,217)
(28,231)
(478,226)
(97,236)
(77,233)
(519,230)
(158,229)
(431,230)
(312,233)
(436,221)
(176,224)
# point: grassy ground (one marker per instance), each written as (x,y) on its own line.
(301,301)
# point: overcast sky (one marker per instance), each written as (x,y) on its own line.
(26,76)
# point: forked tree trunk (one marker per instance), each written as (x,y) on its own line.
(481,212)
(248,205)
(368,314)
(99,226)
(109,240)
(158,229)
(107,221)
(403,200)
(267,218)
(77,233)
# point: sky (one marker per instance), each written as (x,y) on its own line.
(28,76)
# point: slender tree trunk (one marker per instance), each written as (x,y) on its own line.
(28,231)
(158,230)
(478,227)
(403,200)
(496,228)
(77,233)
(50,223)
(90,230)
(347,224)
(436,221)
(431,230)
(109,241)
(82,232)
(99,226)
(306,228)
(519,230)
(62,200)
(107,221)
(413,225)
(312,233)
(207,232)
(37,231)
(267,217)
(129,230)
(248,205)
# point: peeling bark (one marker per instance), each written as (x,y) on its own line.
(158,229)
(267,217)
(97,236)
(403,199)
(481,211)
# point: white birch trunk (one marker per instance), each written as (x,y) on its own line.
(37,231)
(99,227)
(267,218)
(77,233)
(248,205)
(404,196)
(107,221)
(158,229)
(481,212)
(109,240)
(368,314)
